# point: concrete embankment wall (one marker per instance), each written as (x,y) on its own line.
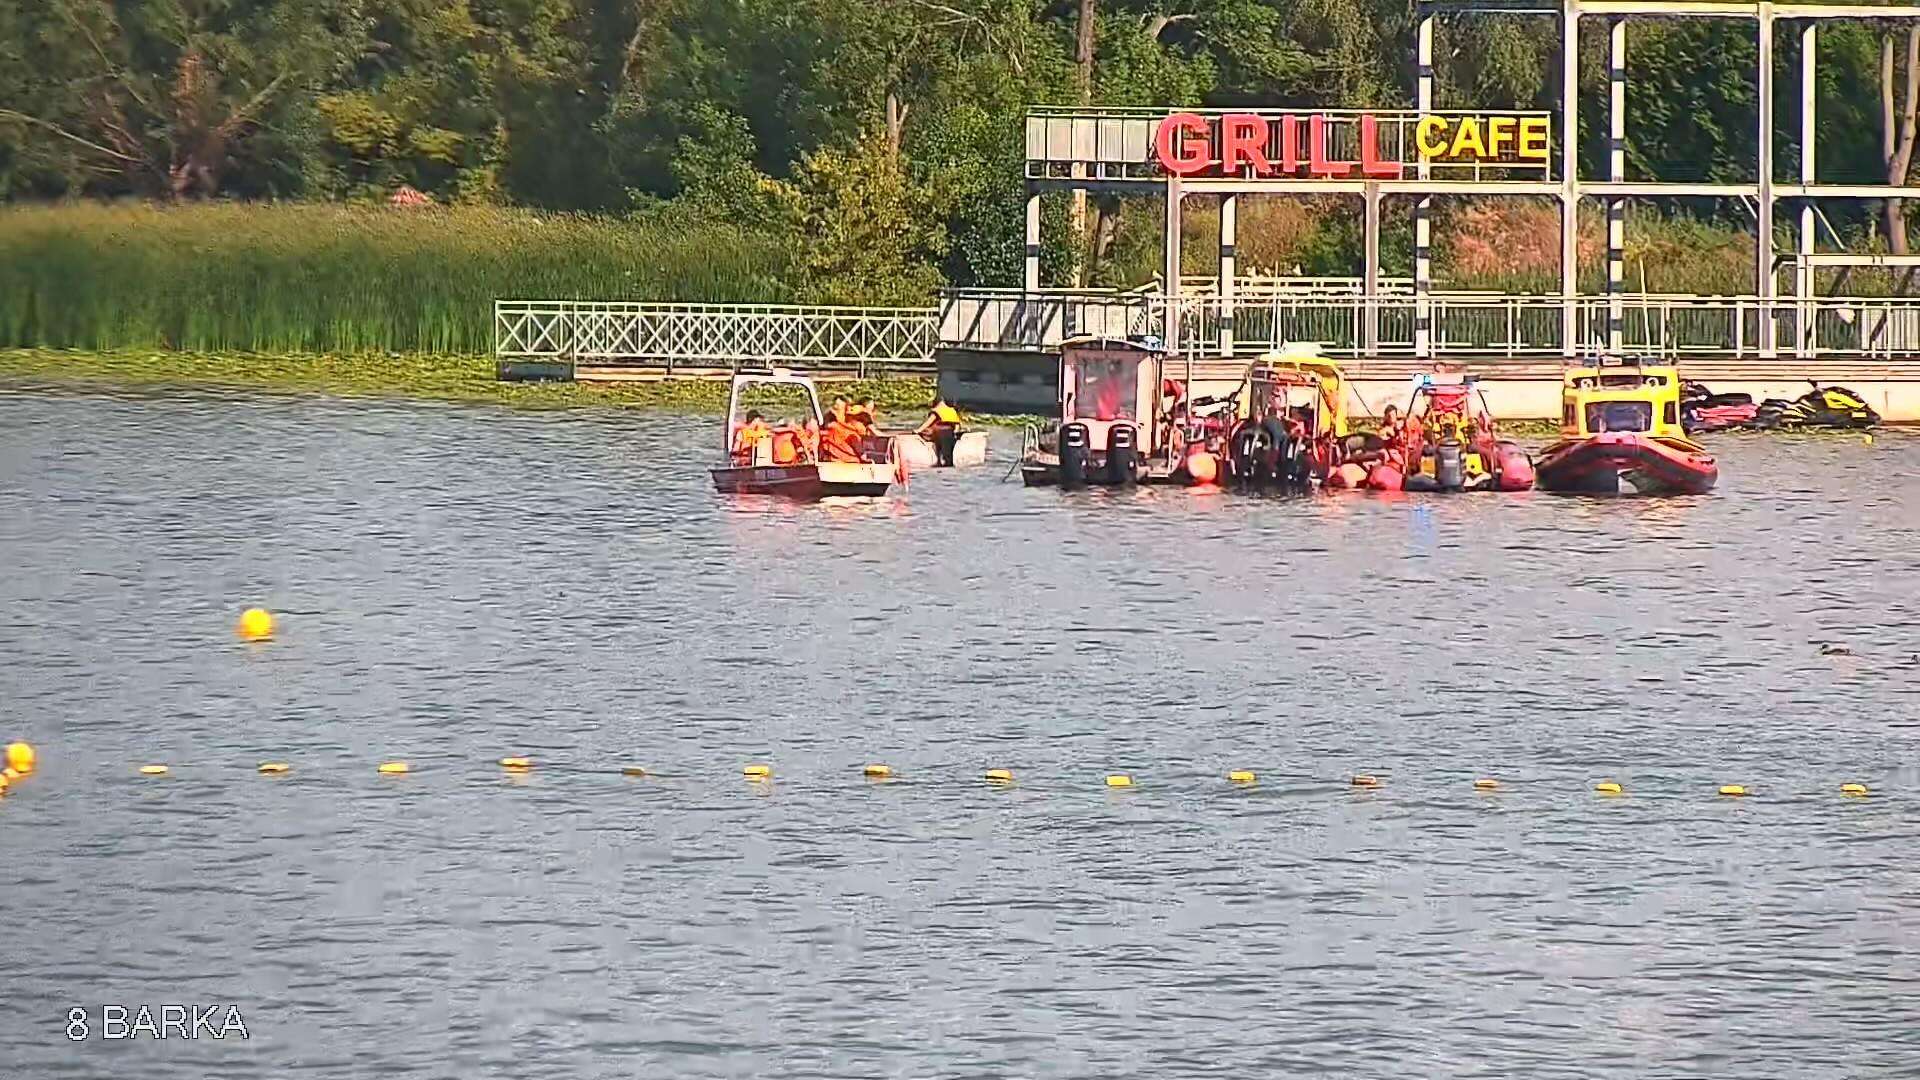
(1027,382)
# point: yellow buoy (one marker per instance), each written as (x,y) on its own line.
(10,773)
(878,772)
(256,623)
(274,768)
(1240,776)
(394,767)
(1866,440)
(1608,787)
(633,770)
(758,772)
(153,770)
(1486,783)
(4,783)
(999,776)
(20,757)
(1365,780)
(517,764)
(1853,789)
(1119,780)
(1733,789)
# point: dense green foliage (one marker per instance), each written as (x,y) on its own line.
(854,149)
(321,278)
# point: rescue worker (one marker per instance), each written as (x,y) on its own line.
(942,429)
(753,431)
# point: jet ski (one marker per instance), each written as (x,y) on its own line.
(1821,407)
(1702,410)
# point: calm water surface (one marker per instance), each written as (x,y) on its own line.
(457,584)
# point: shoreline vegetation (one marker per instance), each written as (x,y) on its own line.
(454,379)
(416,376)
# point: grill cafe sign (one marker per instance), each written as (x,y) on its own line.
(1329,145)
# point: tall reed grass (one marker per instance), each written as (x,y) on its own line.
(319,278)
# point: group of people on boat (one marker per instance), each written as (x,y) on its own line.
(850,429)
(849,425)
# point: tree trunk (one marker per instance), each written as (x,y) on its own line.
(1083,56)
(896,121)
(1898,123)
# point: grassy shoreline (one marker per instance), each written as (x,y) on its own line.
(464,379)
(454,378)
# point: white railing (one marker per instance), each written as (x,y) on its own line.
(1343,324)
(710,335)
(1476,324)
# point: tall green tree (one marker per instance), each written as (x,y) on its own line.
(169,98)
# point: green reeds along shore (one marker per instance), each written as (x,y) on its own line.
(287,278)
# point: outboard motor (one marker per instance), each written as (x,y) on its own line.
(1120,454)
(1073,456)
(1449,467)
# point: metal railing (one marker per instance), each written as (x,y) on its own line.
(709,335)
(1344,324)
(1474,324)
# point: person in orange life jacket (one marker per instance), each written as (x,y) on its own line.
(752,433)
(942,429)
(786,443)
(841,439)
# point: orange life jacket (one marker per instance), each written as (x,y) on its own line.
(840,441)
(748,437)
(786,447)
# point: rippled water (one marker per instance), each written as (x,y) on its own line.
(455,584)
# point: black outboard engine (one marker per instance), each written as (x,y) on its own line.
(1240,454)
(1073,456)
(1449,467)
(1120,454)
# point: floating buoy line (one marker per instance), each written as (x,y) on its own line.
(20,760)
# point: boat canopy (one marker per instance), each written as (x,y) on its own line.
(1621,396)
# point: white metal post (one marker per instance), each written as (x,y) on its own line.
(1423,208)
(1170,283)
(1370,271)
(1229,267)
(1569,174)
(1032,276)
(1616,170)
(1804,340)
(1763,250)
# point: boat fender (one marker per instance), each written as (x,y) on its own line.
(1073,456)
(1120,454)
(1385,478)
(1516,468)
(1347,476)
(1449,471)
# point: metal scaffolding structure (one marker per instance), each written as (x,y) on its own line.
(1108,150)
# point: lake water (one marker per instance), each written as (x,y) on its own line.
(457,584)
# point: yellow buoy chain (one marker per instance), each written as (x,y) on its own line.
(20,759)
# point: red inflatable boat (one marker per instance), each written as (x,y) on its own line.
(1620,424)
(1651,464)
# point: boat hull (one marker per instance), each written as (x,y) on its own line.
(1650,465)
(918,453)
(809,482)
